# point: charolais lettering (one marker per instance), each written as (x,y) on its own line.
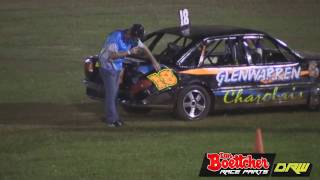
(258,74)
(246,96)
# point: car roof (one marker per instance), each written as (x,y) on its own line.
(204,31)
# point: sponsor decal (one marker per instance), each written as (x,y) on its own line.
(250,164)
(250,96)
(292,169)
(236,164)
(259,74)
(163,79)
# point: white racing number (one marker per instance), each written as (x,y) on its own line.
(184,17)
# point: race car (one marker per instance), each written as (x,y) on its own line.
(213,68)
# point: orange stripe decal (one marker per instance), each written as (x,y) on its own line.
(201,71)
(215,71)
(304,73)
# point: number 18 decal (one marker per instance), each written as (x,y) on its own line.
(163,79)
(184,17)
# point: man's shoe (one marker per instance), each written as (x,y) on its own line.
(115,124)
(112,125)
(121,123)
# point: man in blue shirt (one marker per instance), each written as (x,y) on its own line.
(117,46)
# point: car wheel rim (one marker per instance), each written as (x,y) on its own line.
(194,103)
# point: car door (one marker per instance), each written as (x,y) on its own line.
(227,58)
(276,71)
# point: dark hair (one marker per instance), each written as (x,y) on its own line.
(137,31)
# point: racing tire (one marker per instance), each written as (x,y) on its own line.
(136,110)
(193,103)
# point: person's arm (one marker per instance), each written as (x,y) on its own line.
(153,60)
(121,54)
(150,56)
(115,54)
(111,52)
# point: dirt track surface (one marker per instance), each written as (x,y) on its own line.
(70,116)
(50,115)
(90,116)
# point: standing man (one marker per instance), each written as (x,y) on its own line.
(119,44)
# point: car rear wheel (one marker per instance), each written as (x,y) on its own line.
(193,103)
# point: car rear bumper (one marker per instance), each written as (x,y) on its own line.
(92,85)
(94,90)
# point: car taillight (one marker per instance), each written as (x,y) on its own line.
(313,69)
(88,65)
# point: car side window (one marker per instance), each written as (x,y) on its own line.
(264,51)
(224,52)
(192,57)
(289,56)
(170,44)
(271,53)
(162,44)
(150,41)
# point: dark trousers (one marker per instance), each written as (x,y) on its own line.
(110,79)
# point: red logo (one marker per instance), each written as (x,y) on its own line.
(237,161)
(236,164)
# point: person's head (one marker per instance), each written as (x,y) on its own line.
(135,32)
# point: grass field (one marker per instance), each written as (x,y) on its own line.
(50,130)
